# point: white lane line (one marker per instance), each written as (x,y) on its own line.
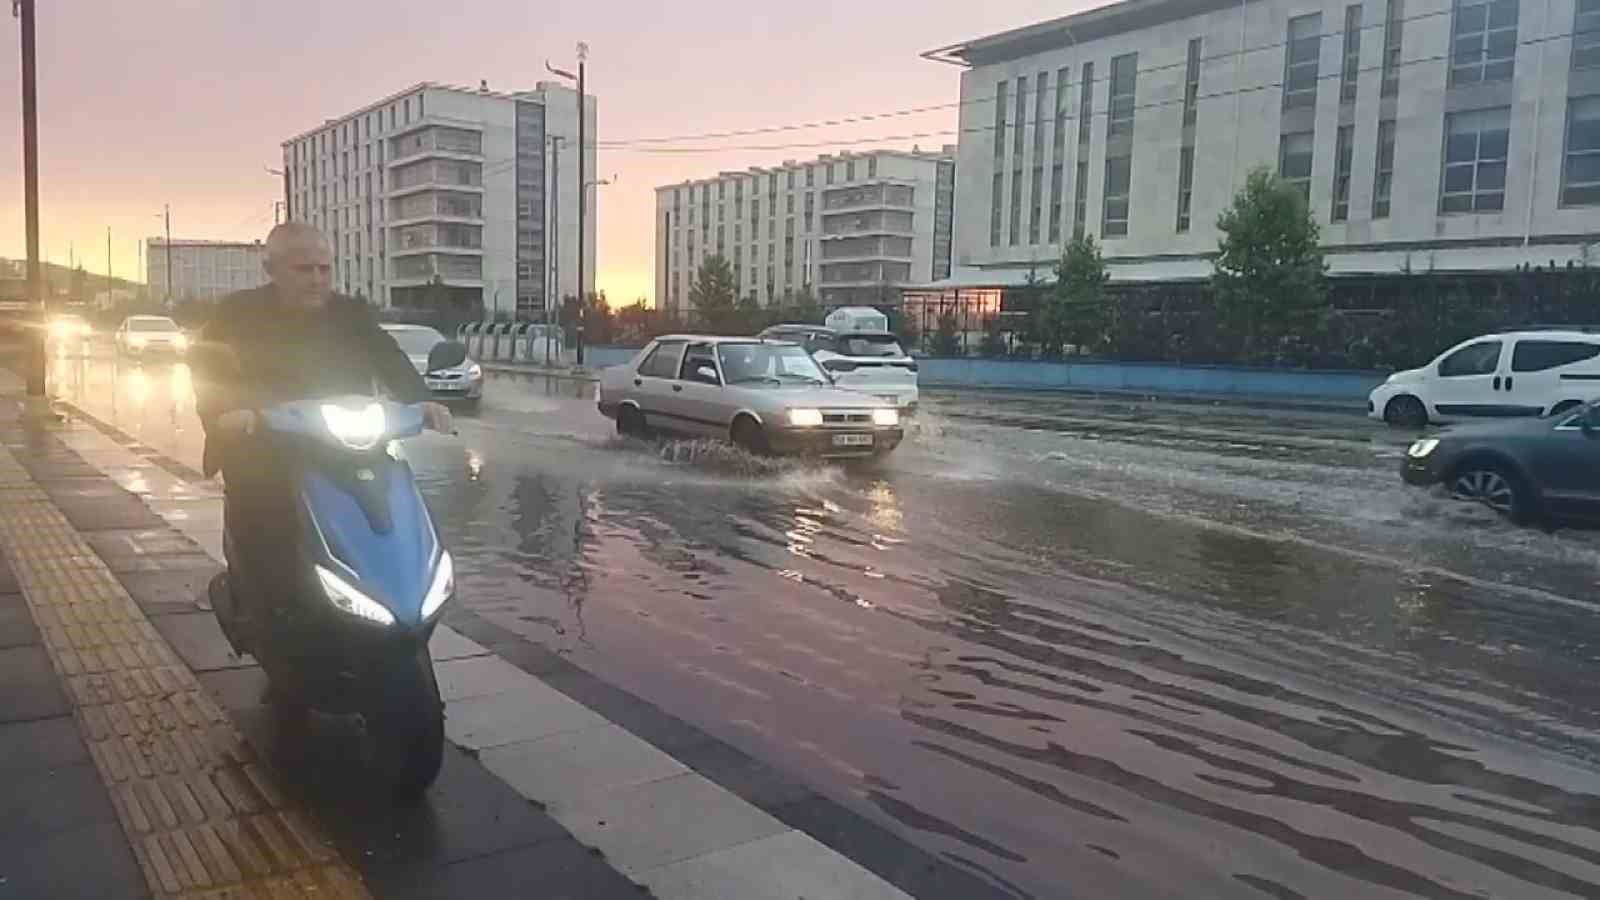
(684,836)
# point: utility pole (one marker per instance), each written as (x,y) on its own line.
(23,9)
(583,194)
(166,212)
(108,265)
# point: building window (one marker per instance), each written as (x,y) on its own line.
(1475,145)
(1586,35)
(1343,161)
(1300,61)
(1119,178)
(994,208)
(789,179)
(1580,171)
(1041,94)
(1022,119)
(1352,54)
(1058,156)
(1483,46)
(1191,84)
(872,167)
(1124,78)
(850,170)
(1080,200)
(789,201)
(811,176)
(811,205)
(1393,26)
(829,173)
(1185,186)
(1294,160)
(1000,122)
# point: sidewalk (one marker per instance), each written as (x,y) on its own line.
(130,689)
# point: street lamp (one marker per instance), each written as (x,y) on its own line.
(284,203)
(583,300)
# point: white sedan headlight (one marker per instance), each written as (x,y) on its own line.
(444,584)
(181,341)
(887,418)
(358,429)
(474,372)
(342,595)
(1420,449)
(805,418)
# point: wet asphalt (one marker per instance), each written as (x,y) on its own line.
(1079,646)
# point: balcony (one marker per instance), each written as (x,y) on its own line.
(876,222)
(451,269)
(862,274)
(407,240)
(874,247)
(438,141)
(433,174)
(868,196)
(436,206)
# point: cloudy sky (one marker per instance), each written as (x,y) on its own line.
(185,101)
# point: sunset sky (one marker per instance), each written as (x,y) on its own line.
(185,101)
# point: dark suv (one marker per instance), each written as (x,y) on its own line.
(1522,468)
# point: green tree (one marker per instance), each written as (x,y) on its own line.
(714,294)
(1268,286)
(1076,309)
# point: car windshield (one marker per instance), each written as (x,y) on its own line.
(152,323)
(768,363)
(415,341)
(870,345)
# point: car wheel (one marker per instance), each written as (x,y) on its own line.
(1405,411)
(748,436)
(1495,486)
(630,423)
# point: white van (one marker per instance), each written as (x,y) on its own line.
(872,362)
(1519,373)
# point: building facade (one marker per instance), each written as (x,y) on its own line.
(1426,134)
(203,270)
(844,229)
(447,196)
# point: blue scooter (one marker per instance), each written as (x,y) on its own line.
(371,579)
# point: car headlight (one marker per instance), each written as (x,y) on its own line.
(444,585)
(805,418)
(1420,449)
(136,340)
(887,418)
(358,429)
(352,601)
(181,342)
(61,329)
(474,372)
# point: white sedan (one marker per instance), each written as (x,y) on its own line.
(764,396)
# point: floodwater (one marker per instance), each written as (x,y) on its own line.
(1079,646)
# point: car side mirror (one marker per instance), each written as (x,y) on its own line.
(708,374)
(446,355)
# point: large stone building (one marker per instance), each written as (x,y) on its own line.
(203,270)
(451,195)
(1426,134)
(846,228)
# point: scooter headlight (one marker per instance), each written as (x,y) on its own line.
(444,584)
(358,429)
(352,601)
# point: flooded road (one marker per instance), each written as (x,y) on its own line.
(1078,646)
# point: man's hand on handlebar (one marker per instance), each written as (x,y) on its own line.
(238,422)
(436,416)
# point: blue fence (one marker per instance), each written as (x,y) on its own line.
(1164,378)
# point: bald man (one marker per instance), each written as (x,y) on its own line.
(291,339)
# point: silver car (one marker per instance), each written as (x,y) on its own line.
(463,383)
(765,396)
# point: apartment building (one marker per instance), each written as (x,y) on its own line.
(203,270)
(846,228)
(468,195)
(1429,134)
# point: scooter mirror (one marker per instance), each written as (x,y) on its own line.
(446,355)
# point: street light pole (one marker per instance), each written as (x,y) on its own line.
(583,194)
(23,10)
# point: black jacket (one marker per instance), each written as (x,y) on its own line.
(284,353)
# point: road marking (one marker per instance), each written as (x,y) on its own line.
(202,815)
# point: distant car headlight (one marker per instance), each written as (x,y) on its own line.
(136,340)
(805,418)
(1420,449)
(886,417)
(358,429)
(347,599)
(444,585)
(181,342)
(474,372)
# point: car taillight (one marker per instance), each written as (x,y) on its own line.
(839,365)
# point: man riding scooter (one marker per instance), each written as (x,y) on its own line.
(292,339)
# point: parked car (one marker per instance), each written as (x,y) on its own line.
(463,383)
(1517,374)
(1523,469)
(143,335)
(765,396)
(872,362)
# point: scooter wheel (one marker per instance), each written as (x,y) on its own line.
(408,736)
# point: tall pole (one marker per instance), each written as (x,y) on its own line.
(166,211)
(108,265)
(583,193)
(30,191)
(552,297)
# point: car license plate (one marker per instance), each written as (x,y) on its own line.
(891,398)
(440,384)
(852,440)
